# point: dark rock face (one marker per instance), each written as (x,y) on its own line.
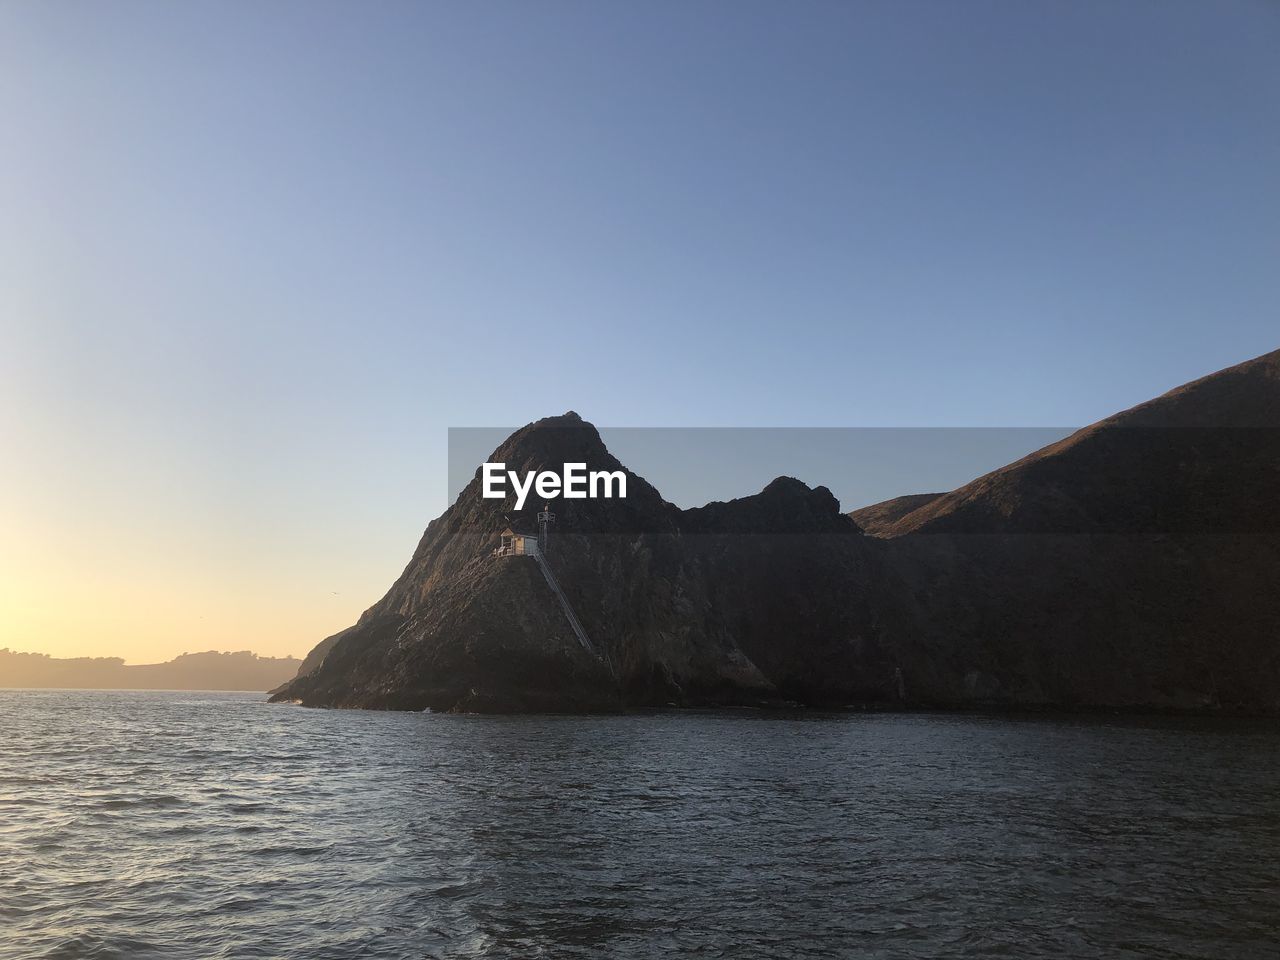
(1133,564)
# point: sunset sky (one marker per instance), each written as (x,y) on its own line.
(256,259)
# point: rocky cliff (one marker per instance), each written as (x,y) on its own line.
(1131,565)
(761,599)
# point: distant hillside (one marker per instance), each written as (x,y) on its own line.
(880,518)
(1199,459)
(191,671)
(1133,564)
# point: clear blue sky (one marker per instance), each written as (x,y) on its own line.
(255,258)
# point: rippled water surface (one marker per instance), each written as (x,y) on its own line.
(140,825)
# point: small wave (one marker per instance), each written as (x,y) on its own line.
(238,905)
(290,851)
(182,830)
(14,781)
(87,947)
(157,802)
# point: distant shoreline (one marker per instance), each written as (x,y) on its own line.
(240,672)
(4,689)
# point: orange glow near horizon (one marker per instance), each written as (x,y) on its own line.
(85,599)
(146,582)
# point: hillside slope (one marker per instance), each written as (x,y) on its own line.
(1200,458)
(880,519)
(1133,564)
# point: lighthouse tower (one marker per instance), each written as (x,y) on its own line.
(545,519)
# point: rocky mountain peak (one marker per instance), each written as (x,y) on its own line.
(785,505)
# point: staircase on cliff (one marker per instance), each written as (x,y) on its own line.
(578,630)
(514,544)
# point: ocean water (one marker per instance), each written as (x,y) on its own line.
(138,825)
